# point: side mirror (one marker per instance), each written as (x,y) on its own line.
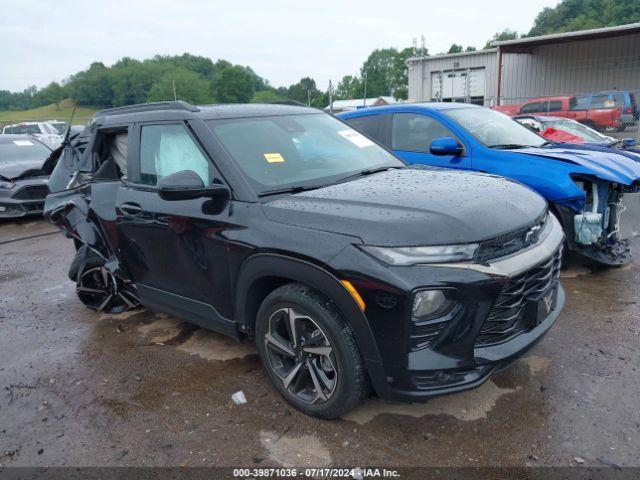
(445,146)
(628,142)
(187,185)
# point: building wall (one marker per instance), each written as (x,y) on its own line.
(420,71)
(576,67)
(562,68)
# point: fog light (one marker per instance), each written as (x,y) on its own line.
(428,303)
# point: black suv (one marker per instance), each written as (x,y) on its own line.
(282,224)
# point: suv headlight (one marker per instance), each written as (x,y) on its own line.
(6,185)
(427,254)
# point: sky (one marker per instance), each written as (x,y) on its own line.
(282,40)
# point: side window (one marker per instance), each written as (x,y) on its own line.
(618,100)
(372,125)
(600,101)
(414,132)
(166,149)
(581,102)
(555,106)
(533,107)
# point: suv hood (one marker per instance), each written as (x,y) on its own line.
(414,206)
(17,169)
(609,165)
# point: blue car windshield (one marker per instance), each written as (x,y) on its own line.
(298,150)
(494,129)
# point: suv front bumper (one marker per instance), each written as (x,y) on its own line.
(488,360)
(460,358)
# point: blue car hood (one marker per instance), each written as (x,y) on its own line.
(632,153)
(608,165)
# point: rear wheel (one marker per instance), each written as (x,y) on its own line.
(100,289)
(309,352)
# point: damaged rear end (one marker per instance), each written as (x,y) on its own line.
(83,209)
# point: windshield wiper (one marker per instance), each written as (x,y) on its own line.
(508,146)
(365,172)
(294,189)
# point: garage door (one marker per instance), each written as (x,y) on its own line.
(458,85)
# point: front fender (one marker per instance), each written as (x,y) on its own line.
(268,265)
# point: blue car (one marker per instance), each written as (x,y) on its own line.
(595,193)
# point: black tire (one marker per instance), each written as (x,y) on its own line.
(98,288)
(340,374)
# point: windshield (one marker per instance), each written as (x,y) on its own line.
(22,129)
(298,150)
(59,126)
(494,129)
(22,150)
(587,134)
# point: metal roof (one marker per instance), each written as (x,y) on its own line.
(451,55)
(523,44)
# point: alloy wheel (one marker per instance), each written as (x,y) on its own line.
(301,356)
(101,290)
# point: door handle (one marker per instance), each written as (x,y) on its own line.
(131,209)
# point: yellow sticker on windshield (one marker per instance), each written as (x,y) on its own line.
(273,158)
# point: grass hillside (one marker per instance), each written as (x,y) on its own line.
(48,112)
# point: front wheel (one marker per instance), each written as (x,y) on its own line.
(310,352)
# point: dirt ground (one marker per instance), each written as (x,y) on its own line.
(145,389)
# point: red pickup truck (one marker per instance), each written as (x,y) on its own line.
(568,106)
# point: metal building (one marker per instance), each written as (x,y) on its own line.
(559,64)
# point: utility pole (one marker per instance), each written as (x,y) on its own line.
(175,97)
(330,98)
(364,100)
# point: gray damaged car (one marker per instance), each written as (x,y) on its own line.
(23,175)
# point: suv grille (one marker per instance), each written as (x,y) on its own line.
(506,317)
(510,243)
(33,192)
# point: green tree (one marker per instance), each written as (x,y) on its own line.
(455,48)
(52,93)
(266,96)
(233,85)
(92,86)
(571,15)
(349,87)
(470,49)
(189,86)
(381,72)
(304,91)
(506,34)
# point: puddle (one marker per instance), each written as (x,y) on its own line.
(161,331)
(290,451)
(467,406)
(213,346)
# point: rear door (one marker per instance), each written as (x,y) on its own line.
(176,251)
(373,126)
(411,137)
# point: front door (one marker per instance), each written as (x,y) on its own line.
(176,250)
(411,137)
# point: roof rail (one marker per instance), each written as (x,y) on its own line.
(293,103)
(148,107)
